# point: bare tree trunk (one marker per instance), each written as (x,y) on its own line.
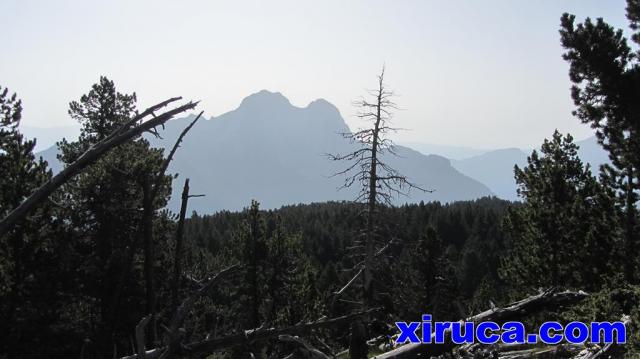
(371,208)
(177,261)
(358,346)
(149,257)
(150,193)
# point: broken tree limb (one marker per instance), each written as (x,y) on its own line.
(169,158)
(177,259)
(349,283)
(547,299)
(148,204)
(208,346)
(306,350)
(602,351)
(560,351)
(211,345)
(140,336)
(359,273)
(94,153)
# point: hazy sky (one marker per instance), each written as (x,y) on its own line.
(472,73)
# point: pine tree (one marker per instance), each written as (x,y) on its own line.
(606,76)
(104,206)
(563,211)
(30,291)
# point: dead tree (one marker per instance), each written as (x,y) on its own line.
(178,254)
(150,193)
(126,132)
(379,182)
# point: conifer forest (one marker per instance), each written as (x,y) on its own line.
(96,262)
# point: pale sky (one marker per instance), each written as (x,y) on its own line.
(483,74)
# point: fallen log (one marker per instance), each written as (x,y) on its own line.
(600,352)
(209,346)
(540,352)
(305,349)
(547,299)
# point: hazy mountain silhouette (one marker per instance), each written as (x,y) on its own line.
(272,151)
(495,168)
(448,151)
(269,150)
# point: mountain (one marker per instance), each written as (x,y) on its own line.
(495,168)
(50,155)
(450,152)
(269,150)
(592,152)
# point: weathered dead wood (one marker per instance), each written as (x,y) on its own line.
(167,161)
(177,259)
(539,352)
(140,336)
(249,336)
(306,350)
(353,279)
(600,352)
(349,283)
(547,299)
(118,137)
(149,198)
(211,345)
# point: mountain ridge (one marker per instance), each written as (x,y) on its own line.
(274,152)
(278,137)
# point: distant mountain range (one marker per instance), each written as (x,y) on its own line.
(269,150)
(495,168)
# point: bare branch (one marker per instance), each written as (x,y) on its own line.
(95,152)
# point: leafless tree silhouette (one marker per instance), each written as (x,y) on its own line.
(379,182)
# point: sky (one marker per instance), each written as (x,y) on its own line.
(484,74)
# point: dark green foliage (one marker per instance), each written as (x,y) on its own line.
(565,211)
(427,267)
(70,275)
(30,259)
(103,204)
(606,76)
